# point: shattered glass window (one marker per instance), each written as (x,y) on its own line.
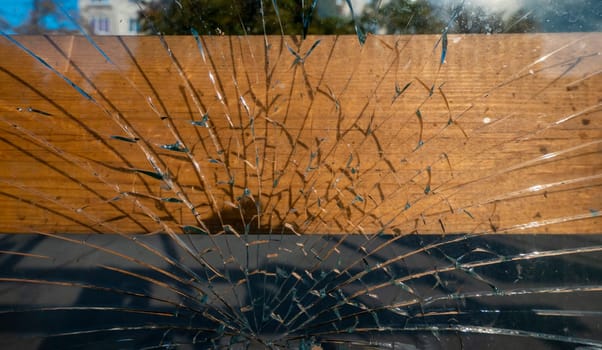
(300,174)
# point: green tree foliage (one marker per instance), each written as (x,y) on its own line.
(423,17)
(477,21)
(521,21)
(45,17)
(237,17)
(402,17)
(36,23)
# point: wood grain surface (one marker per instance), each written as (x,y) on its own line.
(301,136)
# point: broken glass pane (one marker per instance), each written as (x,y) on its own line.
(262,182)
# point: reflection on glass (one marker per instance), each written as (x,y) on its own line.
(292,16)
(217,163)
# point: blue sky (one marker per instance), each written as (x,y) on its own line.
(15,12)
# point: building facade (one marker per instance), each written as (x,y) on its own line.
(110,17)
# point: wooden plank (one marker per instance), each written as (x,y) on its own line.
(505,136)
